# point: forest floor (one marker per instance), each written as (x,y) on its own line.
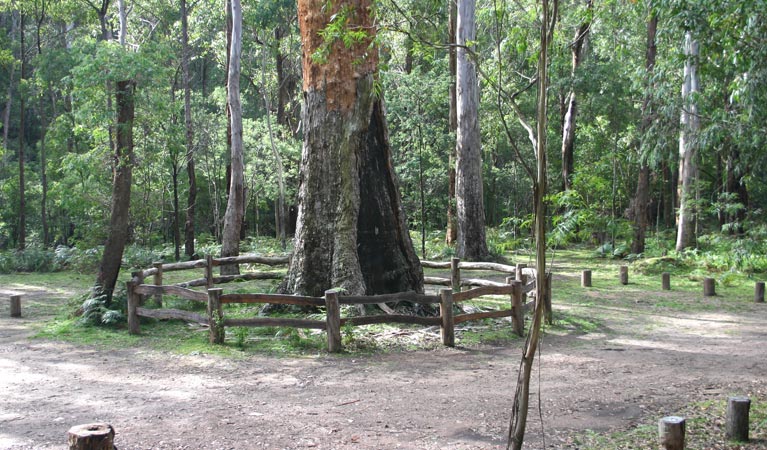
(617,359)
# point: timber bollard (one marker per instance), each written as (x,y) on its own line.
(737,418)
(333,321)
(215,316)
(92,436)
(522,278)
(209,271)
(759,292)
(671,430)
(517,313)
(455,274)
(15,306)
(446,313)
(624,274)
(158,281)
(586,278)
(665,280)
(133,303)
(709,287)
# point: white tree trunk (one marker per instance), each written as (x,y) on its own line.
(230,245)
(688,144)
(468,180)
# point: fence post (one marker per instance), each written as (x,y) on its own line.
(709,287)
(446,313)
(737,418)
(333,321)
(586,278)
(158,281)
(520,276)
(624,274)
(665,281)
(133,303)
(455,274)
(15,306)
(208,271)
(547,301)
(671,430)
(517,314)
(138,277)
(759,292)
(215,316)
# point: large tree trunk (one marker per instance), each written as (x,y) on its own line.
(568,124)
(121,190)
(352,232)
(688,144)
(191,199)
(451,235)
(642,197)
(468,175)
(230,245)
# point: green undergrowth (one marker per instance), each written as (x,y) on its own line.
(705,428)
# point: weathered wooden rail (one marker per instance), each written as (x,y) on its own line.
(517,288)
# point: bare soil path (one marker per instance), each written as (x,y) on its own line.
(633,366)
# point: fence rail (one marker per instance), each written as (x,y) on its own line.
(517,288)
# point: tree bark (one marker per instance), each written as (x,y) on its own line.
(22,230)
(40,16)
(351,232)
(121,190)
(451,234)
(688,144)
(191,199)
(230,245)
(568,124)
(9,99)
(642,196)
(469,196)
(280,215)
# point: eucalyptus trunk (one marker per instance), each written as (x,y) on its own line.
(642,196)
(351,232)
(235,207)
(688,144)
(469,196)
(451,234)
(22,225)
(121,190)
(577,49)
(191,199)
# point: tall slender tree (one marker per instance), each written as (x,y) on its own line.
(469,196)
(351,232)
(191,199)
(235,207)
(688,145)
(22,230)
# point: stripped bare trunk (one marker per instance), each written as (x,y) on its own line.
(642,197)
(230,245)
(688,144)
(577,49)
(351,232)
(22,230)
(469,196)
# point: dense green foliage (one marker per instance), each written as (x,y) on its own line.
(68,122)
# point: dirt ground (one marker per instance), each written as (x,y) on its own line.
(633,367)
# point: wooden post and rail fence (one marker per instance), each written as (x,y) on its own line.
(517,288)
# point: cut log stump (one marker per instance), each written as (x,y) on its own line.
(586,278)
(15,306)
(759,292)
(709,287)
(624,275)
(92,436)
(666,281)
(737,418)
(671,430)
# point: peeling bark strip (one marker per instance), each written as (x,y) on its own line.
(351,231)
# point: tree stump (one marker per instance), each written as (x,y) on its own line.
(759,292)
(666,281)
(709,287)
(15,306)
(624,275)
(737,418)
(92,436)
(671,430)
(586,278)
